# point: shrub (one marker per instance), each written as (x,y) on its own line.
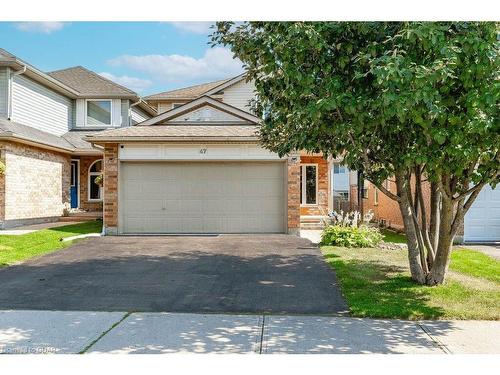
(361,236)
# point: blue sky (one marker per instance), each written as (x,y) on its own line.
(147,57)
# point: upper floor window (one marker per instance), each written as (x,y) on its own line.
(98,112)
(339,169)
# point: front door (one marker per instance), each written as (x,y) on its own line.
(75,172)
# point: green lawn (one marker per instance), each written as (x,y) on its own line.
(391,236)
(376,283)
(15,249)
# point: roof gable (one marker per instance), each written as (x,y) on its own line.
(201,111)
(89,83)
(187,93)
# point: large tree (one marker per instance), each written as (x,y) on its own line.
(414,102)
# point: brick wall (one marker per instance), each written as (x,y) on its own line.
(323,186)
(36,184)
(85,163)
(293,190)
(111,188)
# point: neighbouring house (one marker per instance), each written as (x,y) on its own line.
(481,223)
(44,117)
(181,161)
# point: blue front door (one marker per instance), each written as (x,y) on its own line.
(74,183)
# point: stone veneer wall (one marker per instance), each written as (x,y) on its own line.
(85,163)
(110,189)
(35,186)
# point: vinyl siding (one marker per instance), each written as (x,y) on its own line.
(4,92)
(124,109)
(39,107)
(206,114)
(239,95)
(138,116)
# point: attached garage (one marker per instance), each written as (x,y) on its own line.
(482,221)
(198,168)
(202,197)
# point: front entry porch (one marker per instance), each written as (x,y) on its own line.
(85,193)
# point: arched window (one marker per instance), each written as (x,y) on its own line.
(95,190)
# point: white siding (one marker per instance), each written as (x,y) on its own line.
(206,114)
(4,92)
(239,95)
(137,115)
(39,107)
(193,152)
(164,107)
(125,107)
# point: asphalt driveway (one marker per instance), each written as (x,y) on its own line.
(227,273)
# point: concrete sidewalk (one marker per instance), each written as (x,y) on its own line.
(118,332)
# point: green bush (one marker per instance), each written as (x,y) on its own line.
(361,236)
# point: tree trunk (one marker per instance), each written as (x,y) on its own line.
(417,273)
(442,260)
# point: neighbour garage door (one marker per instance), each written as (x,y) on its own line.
(202,197)
(482,221)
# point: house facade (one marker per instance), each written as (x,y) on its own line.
(182,161)
(48,167)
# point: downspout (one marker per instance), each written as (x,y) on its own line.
(130,110)
(22,71)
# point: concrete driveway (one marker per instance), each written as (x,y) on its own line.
(227,273)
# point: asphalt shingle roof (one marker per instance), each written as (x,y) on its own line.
(181,131)
(190,92)
(15,129)
(87,82)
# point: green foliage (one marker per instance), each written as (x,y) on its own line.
(385,95)
(361,236)
(2,168)
(99,180)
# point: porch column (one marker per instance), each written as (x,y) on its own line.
(110,207)
(293,179)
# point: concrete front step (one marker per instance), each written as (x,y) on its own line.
(81,216)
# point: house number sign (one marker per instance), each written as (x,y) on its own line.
(203,150)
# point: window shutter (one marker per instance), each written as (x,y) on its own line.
(80,112)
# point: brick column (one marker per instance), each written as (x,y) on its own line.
(293,219)
(110,213)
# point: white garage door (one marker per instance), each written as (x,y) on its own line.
(482,221)
(202,197)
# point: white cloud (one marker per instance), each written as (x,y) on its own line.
(133,83)
(194,27)
(40,27)
(216,63)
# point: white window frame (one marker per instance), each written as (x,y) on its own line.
(89,175)
(111,113)
(303,173)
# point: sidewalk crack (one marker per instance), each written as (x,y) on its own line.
(435,340)
(262,333)
(84,350)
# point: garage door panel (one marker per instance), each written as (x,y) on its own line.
(210,197)
(482,221)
